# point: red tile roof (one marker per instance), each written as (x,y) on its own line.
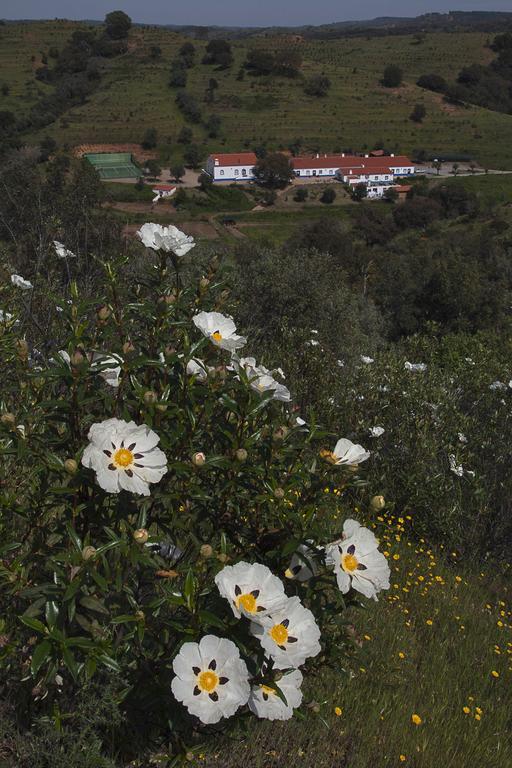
(350,161)
(235,158)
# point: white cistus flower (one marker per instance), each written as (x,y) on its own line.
(199,369)
(415,367)
(289,635)
(211,678)
(169,239)
(251,590)
(303,564)
(346,453)
(261,379)
(497,385)
(377,431)
(6,317)
(107,366)
(124,456)
(357,561)
(20,282)
(367,360)
(63,252)
(221,330)
(265,702)
(457,469)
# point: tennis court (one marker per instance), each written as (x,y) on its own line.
(118,165)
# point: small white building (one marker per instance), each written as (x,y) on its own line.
(236,166)
(162,191)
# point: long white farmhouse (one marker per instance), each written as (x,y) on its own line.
(235,166)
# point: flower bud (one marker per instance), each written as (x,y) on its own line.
(103,313)
(169,351)
(203,284)
(128,348)
(279,493)
(241,455)
(161,407)
(198,459)
(222,557)
(22,349)
(88,552)
(280,434)
(140,535)
(189,757)
(139,615)
(150,397)
(70,466)
(224,295)
(206,551)
(378,503)
(77,358)
(8,420)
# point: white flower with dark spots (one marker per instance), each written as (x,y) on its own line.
(221,330)
(124,456)
(415,367)
(457,469)
(261,379)
(289,635)
(252,590)
(63,252)
(211,679)
(265,702)
(346,453)
(199,369)
(303,564)
(169,239)
(108,367)
(20,282)
(367,360)
(377,431)
(357,561)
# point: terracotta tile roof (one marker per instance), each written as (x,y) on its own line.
(350,161)
(235,158)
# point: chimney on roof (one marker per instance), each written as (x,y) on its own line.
(317,155)
(216,161)
(392,154)
(367,155)
(343,154)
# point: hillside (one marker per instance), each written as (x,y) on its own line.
(357,112)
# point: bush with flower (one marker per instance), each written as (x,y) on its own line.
(164,509)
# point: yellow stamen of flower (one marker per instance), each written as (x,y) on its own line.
(123,457)
(349,563)
(338,711)
(217,336)
(207,681)
(328,456)
(247,602)
(416,719)
(279,634)
(266,689)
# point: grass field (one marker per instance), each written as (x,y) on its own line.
(357,112)
(437,646)
(492,189)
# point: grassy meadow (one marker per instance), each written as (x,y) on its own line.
(438,645)
(357,113)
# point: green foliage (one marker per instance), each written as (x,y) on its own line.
(117,25)
(318,85)
(273,171)
(392,77)
(150,138)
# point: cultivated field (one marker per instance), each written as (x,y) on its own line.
(357,113)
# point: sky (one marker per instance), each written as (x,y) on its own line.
(239,12)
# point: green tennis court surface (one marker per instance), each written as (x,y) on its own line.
(117,165)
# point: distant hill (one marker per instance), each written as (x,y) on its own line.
(357,113)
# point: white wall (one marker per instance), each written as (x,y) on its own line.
(229,172)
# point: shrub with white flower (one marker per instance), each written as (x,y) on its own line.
(167,511)
(357,562)
(20,282)
(167,239)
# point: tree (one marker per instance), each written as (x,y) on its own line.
(328,195)
(7,121)
(185,135)
(437,164)
(301,195)
(218,52)
(150,138)
(392,77)
(359,192)
(205,181)
(193,155)
(318,85)
(288,62)
(455,168)
(154,168)
(188,53)
(5,89)
(212,125)
(259,61)
(118,24)
(178,77)
(274,171)
(432,82)
(47,147)
(418,212)
(177,172)
(418,113)
(155,52)
(391,195)
(189,106)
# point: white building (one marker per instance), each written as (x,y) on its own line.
(236,166)
(161,191)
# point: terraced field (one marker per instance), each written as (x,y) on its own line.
(357,113)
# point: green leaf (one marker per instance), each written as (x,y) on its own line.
(70,662)
(93,604)
(74,537)
(41,652)
(209,619)
(34,624)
